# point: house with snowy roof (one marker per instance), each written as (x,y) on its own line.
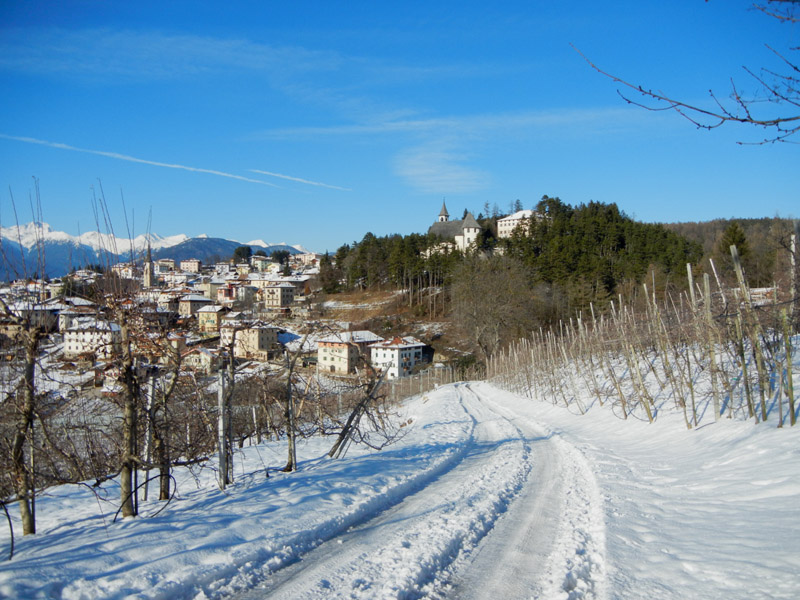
(174,278)
(208,286)
(277,296)
(260,263)
(41,314)
(253,340)
(236,293)
(301,283)
(170,299)
(199,358)
(341,352)
(307,259)
(191,303)
(126,270)
(191,265)
(397,356)
(72,312)
(88,335)
(209,317)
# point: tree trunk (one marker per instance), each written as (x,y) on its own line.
(352,420)
(291,462)
(222,429)
(164,481)
(162,458)
(23,478)
(128,465)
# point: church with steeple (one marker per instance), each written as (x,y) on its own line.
(148,275)
(461,233)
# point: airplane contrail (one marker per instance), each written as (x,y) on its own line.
(306,181)
(30,140)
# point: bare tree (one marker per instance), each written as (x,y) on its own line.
(118,300)
(777,87)
(24,400)
(491,301)
(26,322)
(362,407)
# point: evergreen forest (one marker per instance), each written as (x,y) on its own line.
(586,253)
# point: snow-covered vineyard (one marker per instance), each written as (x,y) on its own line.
(488,494)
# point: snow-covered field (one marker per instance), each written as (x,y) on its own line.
(488,495)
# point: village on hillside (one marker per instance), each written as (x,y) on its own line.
(258,309)
(254,307)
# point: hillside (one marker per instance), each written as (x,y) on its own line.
(761,233)
(58,256)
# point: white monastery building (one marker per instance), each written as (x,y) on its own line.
(507,225)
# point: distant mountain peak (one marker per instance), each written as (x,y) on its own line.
(63,252)
(29,234)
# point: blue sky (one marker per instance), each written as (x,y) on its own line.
(315,122)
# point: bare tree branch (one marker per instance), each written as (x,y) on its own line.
(777,88)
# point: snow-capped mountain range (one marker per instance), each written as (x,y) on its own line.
(29,234)
(61,252)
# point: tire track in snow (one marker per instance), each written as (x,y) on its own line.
(268,564)
(574,567)
(406,551)
(510,562)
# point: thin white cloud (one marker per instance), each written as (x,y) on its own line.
(584,120)
(299,180)
(150,55)
(125,53)
(60,146)
(439,169)
(438,160)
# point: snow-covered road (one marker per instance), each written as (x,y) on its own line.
(499,522)
(488,495)
(538,549)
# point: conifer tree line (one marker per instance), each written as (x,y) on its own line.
(587,253)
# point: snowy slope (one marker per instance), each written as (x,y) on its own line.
(489,495)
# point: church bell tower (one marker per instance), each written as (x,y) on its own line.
(444,216)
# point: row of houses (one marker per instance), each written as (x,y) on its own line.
(339,353)
(270,294)
(342,353)
(168,271)
(203,317)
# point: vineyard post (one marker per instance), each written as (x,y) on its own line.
(711,341)
(787,340)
